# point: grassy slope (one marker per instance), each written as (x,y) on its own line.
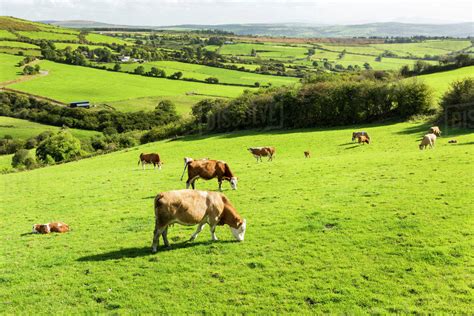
(17,44)
(8,69)
(49,36)
(7,34)
(103,39)
(68,83)
(24,129)
(440,81)
(202,72)
(377,228)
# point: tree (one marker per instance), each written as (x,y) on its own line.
(23,157)
(140,70)
(177,75)
(117,67)
(29,70)
(59,147)
(367,66)
(405,71)
(253,52)
(165,112)
(212,80)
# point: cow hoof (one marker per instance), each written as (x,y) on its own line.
(154,250)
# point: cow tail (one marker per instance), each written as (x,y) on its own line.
(140,159)
(185,166)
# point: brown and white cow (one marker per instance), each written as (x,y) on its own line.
(307,154)
(55,227)
(192,207)
(208,169)
(259,152)
(435,130)
(355,135)
(153,158)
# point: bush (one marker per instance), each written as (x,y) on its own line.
(31,143)
(23,157)
(412,97)
(59,147)
(458,103)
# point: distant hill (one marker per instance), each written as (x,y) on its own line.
(465,29)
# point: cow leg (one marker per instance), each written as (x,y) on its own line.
(156,237)
(198,230)
(143,165)
(164,234)
(220,184)
(159,166)
(154,166)
(213,232)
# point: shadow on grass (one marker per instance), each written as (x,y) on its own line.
(136,252)
(461,144)
(352,147)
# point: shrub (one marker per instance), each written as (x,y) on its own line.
(31,143)
(23,157)
(60,146)
(458,103)
(412,97)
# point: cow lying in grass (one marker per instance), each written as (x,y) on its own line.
(428,140)
(56,227)
(150,158)
(190,207)
(208,169)
(259,152)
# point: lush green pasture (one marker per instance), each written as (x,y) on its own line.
(50,36)
(71,83)
(246,66)
(264,50)
(17,44)
(103,39)
(380,228)
(23,129)
(74,46)
(6,34)
(8,69)
(16,51)
(434,47)
(440,81)
(201,72)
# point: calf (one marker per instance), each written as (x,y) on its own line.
(208,169)
(428,139)
(190,207)
(363,139)
(307,154)
(259,152)
(150,158)
(55,227)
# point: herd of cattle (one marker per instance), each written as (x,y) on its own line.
(192,207)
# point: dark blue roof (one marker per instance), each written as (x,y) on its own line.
(75,102)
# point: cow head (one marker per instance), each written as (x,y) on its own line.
(41,229)
(239,232)
(233,183)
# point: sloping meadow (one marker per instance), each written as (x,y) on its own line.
(372,228)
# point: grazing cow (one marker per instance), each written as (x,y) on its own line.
(355,135)
(56,227)
(428,139)
(452,141)
(259,152)
(208,169)
(307,154)
(150,158)
(189,207)
(435,130)
(363,139)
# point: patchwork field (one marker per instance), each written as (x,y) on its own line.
(49,36)
(8,69)
(440,81)
(324,235)
(17,44)
(74,46)
(68,83)
(23,129)
(102,39)
(7,34)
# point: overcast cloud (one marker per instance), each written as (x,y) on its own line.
(171,12)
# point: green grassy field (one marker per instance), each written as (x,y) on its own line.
(7,34)
(51,36)
(71,83)
(23,129)
(74,46)
(380,228)
(440,81)
(8,69)
(103,39)
(16,51)
(264,50)
(202,72)
(17,44)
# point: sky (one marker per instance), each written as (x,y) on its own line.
(174,12)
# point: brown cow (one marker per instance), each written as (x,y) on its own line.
(55,227)
(435,130)
(307,154)
(259,152)
(363,139)
(150,158)
(190,207)
(208,169)
(355,135)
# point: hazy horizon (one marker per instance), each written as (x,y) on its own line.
(214,12)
